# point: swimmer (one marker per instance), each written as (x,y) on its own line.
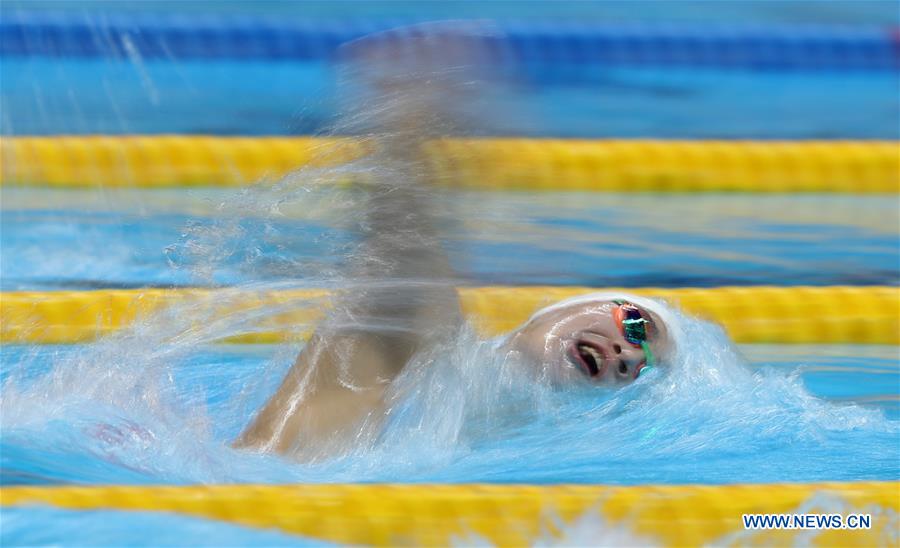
(403,299)
(598,338)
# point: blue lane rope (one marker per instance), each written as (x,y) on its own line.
(779,47)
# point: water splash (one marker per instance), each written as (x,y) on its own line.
(119,412)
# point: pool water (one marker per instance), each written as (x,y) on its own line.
(83,239)
(278,98)
(104,414)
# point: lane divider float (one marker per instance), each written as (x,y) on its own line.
(502,515)
(490,163)
(765,314)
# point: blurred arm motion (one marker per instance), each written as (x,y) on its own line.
(401,297)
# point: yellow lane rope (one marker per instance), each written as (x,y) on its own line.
(505,515)
(837,314)
(496,163)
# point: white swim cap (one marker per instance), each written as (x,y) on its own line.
(666,314)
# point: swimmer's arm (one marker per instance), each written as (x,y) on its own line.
(403,297)
(312,403)
(404,300)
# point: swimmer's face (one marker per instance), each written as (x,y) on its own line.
(585,341)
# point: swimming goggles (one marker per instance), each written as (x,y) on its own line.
(633,326)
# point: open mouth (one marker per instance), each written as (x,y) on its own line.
(588,356)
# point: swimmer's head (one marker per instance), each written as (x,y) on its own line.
(605,337)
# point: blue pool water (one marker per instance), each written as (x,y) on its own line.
(83,239)
(122,94)
(793,414)
(861,12)
(264,98)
